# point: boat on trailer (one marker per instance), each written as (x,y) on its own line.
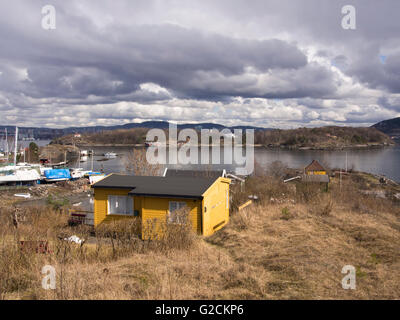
(19,177)
(55,175)
(78,173)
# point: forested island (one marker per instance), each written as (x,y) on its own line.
(332,137)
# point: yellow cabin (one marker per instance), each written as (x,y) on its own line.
(315,168)
(155,199)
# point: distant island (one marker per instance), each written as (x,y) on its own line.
(323,138)
(332,137)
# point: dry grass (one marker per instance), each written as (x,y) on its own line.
(289,248)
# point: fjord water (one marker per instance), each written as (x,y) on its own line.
(383,161)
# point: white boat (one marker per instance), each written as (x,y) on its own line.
(18,174)
(77,173)
(83,158)
(84,153)
(22,176)
(96,178)
(110,154)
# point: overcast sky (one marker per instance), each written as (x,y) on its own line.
(270,63)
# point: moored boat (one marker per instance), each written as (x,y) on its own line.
(110,154)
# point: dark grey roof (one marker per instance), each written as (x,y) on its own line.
(315,178)
(194,173)
(179,187)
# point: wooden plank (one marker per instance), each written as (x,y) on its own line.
(245,205)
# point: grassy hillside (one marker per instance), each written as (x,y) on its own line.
(291,245)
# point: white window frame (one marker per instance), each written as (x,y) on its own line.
(127,199)
(179,205)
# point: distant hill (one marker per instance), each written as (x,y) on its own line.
(390,127)
(51,133)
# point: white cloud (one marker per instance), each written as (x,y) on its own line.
(275,63)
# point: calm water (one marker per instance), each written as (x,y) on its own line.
(385,161)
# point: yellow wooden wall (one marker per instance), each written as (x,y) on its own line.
(316,172)
(149,208)
(100,204)
(153,211)
(217,214)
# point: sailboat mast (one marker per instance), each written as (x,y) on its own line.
(15,147)
(7,151)
(92,160)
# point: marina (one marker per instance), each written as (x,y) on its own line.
(25,173)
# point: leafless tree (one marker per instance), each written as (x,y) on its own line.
(277,169)
(136,163)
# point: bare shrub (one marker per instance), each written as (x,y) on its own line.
(241,220)
(176,233)
(322,206)
(277,170)
(136,163)
(122,235)
(265,189)
(307,192)
(349,194)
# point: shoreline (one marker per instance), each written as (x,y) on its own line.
(331,148)
(269,147)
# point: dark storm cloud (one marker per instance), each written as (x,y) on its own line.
(319,23)
(168,55)
(391,105)
(104,53)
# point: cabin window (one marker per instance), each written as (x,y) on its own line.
(120,205)
(176,212)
